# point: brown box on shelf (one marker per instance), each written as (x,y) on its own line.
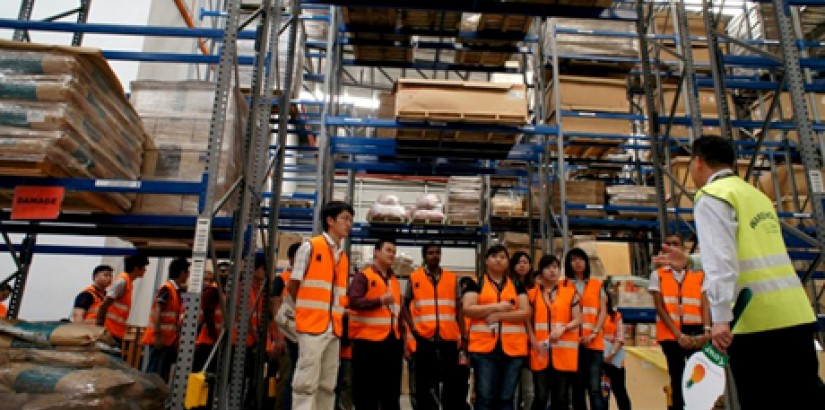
(766,181)
(461,101)
(594,125)
(615,257)
(386,110)
(708,102)
(581,192)
(577,94)
(369,16)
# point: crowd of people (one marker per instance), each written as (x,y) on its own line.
(533,338)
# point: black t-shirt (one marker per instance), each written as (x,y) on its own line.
(278,287)
(84,300)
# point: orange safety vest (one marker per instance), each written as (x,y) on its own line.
(90,317)
(254,318)
(513,335)
(376,324)
(591,303)
(683,303)
(169,318)
(118,312)
(611,328)
(322,296)
(4,311)
(565,351)
(434,307)
(203,336)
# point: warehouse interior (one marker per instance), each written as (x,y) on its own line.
(217,129)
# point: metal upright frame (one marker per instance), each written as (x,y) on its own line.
(27,6)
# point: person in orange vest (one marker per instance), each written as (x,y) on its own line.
(343,386)
(432,312)
(594,312)
(682,317)
(211,322)
(498,309)
(163,331)
(289,356)
(409,357)
(88,301)
(377,343)
(318,286)
(613,364)
(521,269)
(554,336)
(114,311)
(5,292)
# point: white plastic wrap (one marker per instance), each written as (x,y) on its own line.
(388,199)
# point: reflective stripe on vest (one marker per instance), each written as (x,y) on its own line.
(376,324)
(98,296)
(169,318)
(591,304)
(513,335)
(565,351)
(683,302)
(433,307)
(774,297)
(118,312)
(321,297)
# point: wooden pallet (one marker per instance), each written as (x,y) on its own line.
(509,213)
(462,222)
(430,20)
(504,23)
(427,221)
(387,220)
(372,53)
(456,136)
(368,16)
(437,116)
(592,148)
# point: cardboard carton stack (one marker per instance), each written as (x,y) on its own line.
(63,113)
(696,28)
(784,112)
(633,195)
(708,104)
(580,192)
(464,198)
(375,46)
(177,115)
(782,183)
(575,44)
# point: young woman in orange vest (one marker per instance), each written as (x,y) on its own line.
(114,311)
(498,309)
(594,311)
(88,301)
(521,269)
(164,324)
(554,336)
(377,343)
(682,318)
(613,357)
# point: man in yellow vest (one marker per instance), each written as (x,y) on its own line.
(318,284)
(682,317)
(163,332)
(87,302)
(377,343)
(114,311)
(761,315)
(432,311)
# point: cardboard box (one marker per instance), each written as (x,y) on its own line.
(591,125)
(386,110)
(578,92)
(708,102)
(616,258)
(767,184)
(458,101)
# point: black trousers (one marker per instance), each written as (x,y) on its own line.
(438,376)
(618,385)
(776,369)
(376,374)
(676,357)
(553,385)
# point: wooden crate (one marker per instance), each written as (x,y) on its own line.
(131,347)
(373,17)
(430,20)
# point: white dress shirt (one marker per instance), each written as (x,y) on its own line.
(716,227)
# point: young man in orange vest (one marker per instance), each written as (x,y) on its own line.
(377,343)
(432,310)
(88,301)
(114,311)
(318,285)
(164,324)
(682,318)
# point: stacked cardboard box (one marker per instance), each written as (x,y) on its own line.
(633,294)
(785,112)
(769,185)
(63,113)
(633,195)
(664,25)
(464,195)
(581,192)
(177,115)
(587,44)
(386,110)
(507,205)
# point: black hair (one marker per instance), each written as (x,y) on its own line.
(381,242)
(568,262)
(546,261)
(528,278)
(177,267)
(260,261)
(293,249)
(333,209)
(101,268)
(495,249)
(5,288)
(132,262)
(611,308)
(427,247)
(715,151)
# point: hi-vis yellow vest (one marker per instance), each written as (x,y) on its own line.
(773,296)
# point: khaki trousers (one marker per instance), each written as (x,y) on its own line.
(316,373)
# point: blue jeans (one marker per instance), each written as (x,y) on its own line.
(161,360)
(496,379)
(589,380)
